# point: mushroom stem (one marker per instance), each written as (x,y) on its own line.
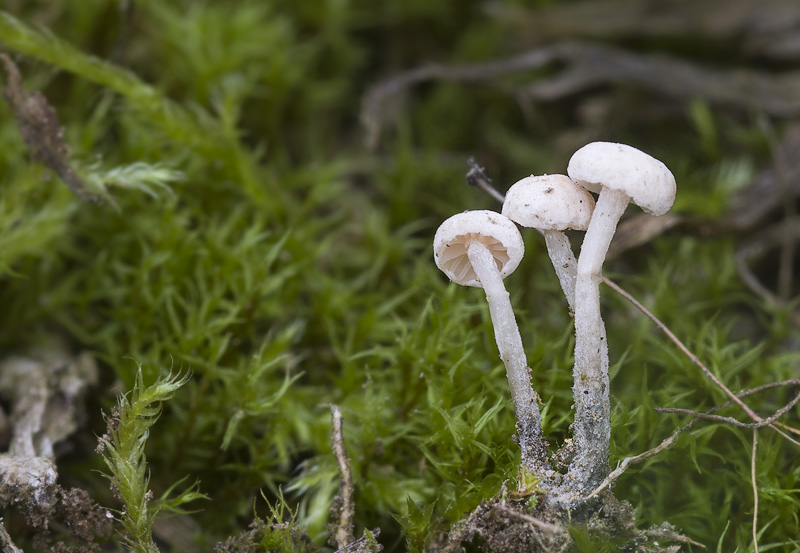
(592,426)
(509,343)
(563,259)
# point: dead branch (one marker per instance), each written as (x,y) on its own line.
(628,461)
(765,27)
(538,524)
(8,545)
(669,441)
(692,357)
(668,534)
(730,420)
(477,177)
(589,65)
(343,505)
(364,544)
(755,489)
(378,95)
(40,130)
(696,361)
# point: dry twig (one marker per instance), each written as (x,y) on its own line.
(8,545)
(755,489)
(669,534)
(628,461)
(40,130)
(539,524)
(587,65)
(343,505)
(730,420)
(761,28)
(477,177)
(696,361)
(669,441)
(362,544)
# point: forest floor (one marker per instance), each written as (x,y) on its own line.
(221,324)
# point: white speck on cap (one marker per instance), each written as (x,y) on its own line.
(549,202)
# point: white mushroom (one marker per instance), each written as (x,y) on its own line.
(480,248)
(552,204)
(620,174)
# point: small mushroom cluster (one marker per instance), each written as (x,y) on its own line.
(481,248)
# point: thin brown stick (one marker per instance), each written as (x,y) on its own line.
(692,357)
(755,489)
(38,125)
(776,424)
(540,524)
(768,386)
(730,420)
(669,535)
(361,544)
(476,177)
(696,361)
(8,545)
(628,461)
(788,428)
(344,500)
(587,65)
(373,106)
(785,436)
(670,440)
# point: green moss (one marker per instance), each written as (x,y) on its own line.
(123,450)
(256,243)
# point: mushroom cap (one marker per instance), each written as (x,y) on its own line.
(497,232)
(647,181)
(549,202)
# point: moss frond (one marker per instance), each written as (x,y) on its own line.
(123,452)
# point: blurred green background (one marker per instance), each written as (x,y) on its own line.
(285,260)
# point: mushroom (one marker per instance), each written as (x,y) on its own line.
(552,204)
(480,248)
(620,174)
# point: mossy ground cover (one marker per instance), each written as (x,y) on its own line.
(248,240)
